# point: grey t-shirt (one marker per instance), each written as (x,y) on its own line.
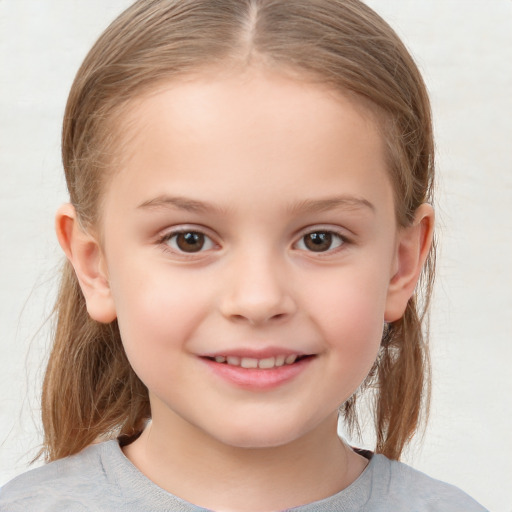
(101,478)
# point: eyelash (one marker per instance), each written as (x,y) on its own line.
(166,241)
(331,237)
(334,237)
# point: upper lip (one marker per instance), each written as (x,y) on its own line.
(263,353)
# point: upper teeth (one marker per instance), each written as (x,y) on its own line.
(250,362)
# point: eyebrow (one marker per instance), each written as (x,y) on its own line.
(181,203)
(346,202)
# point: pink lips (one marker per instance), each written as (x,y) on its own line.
(257,354)
(257,370)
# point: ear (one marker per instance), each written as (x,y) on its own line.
(85,254)
(413,246)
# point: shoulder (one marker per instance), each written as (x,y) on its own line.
(74,484)
(97,479)
(404,488)
(387,485)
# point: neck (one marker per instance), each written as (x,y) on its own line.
(210,474)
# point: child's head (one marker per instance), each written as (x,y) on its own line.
(323,55)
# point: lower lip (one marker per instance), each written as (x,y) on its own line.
(258,379)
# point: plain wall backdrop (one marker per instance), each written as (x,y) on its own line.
(464,49)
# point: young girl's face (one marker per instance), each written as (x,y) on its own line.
(251,224)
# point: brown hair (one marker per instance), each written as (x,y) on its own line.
(90,391)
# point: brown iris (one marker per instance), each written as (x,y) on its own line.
(190,241)
(318,241)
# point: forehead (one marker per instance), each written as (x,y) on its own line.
(250,99)
(253,126)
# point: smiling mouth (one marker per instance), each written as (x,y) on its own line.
(264,364)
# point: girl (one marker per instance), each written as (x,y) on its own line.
(250,185)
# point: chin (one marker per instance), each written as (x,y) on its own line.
(259,436)
(257,442)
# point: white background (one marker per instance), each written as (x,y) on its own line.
(464,48)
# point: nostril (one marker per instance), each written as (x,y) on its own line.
(257,319)
(257,308)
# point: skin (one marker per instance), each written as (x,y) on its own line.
(275,159)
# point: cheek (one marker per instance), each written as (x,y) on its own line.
(350,298)
(349,312)
(157,315)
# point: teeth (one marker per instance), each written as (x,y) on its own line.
(250,362)
(290,359)
(267,363)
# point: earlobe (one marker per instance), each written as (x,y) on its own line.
(413,246)
(85,254)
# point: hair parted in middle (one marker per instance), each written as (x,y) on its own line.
(341,44)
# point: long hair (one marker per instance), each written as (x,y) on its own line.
(90,391)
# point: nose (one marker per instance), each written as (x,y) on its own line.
(257,290)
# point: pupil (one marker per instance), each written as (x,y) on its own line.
(190,242)
(318,242)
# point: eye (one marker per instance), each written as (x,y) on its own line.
(320,241)
(188,241)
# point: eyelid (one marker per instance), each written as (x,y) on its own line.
(345,239)
(169,233)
